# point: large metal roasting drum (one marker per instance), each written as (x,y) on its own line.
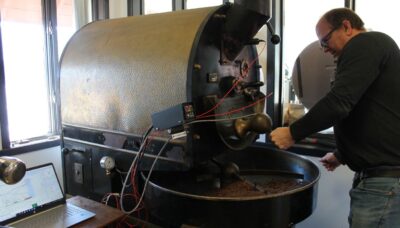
(115,74)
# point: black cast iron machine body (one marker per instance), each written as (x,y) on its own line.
(119,76)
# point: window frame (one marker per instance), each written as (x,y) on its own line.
(49,22)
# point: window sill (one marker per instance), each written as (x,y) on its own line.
(39,144)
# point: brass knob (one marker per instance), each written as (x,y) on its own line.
(12,170)
(259,123)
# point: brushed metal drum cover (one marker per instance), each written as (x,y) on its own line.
(115,73)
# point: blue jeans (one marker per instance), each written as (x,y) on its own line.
(375,203)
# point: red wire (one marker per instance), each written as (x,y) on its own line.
(135,190)
(238,109)
(258,56)
(116,201)
(220,101)
(233,86)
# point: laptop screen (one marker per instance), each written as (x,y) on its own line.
(38,190)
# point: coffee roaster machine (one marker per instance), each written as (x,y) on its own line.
(194,76)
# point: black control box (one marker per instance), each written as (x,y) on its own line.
(173,117)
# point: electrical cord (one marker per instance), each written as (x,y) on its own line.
(121,173)
(238,109)
(141,148)
(134,166)
(149,174)
(221,120)
(149,129)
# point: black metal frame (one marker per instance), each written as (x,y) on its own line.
(135,7)
(5,139)
(274,58)
(178,5)
(100,10)
(350,4)
(50,25)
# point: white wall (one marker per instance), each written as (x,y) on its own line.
(40,157)
(333,203)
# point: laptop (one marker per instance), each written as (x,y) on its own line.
(38,201)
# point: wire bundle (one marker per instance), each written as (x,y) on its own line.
(235,84)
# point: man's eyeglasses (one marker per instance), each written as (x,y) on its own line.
(324,41)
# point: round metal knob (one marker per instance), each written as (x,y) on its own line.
(259,123)
(12,170)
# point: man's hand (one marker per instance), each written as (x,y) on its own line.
(330,161)
(282,137)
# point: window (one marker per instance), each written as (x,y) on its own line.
(29,108)
(298,33)
(380,17)
(192,4)
(24,52)
(118,8)
(156,6)
(66,23)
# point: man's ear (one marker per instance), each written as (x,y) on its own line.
(347,26)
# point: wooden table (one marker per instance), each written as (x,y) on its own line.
(105,215)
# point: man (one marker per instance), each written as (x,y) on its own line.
(364,109)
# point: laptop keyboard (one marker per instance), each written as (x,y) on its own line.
(51,218)
(72,211)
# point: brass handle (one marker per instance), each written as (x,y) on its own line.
(259,123)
